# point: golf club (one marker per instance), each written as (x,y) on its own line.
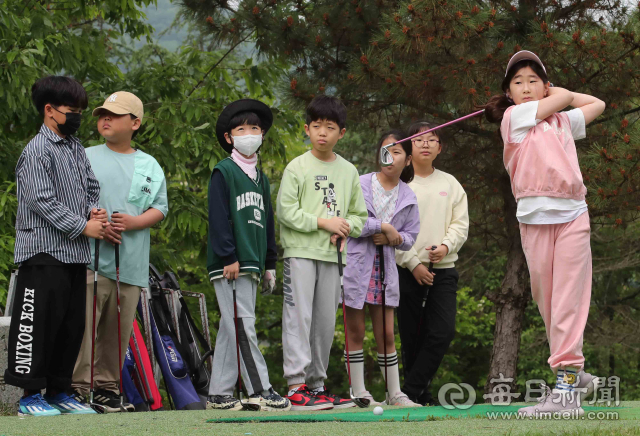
(424,304)
(386,158)
(359,401)
(117,249)
(384,323)
(245,406)
(99,408)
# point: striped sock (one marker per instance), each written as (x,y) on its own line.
(566,379)
(356,359)
(392,370)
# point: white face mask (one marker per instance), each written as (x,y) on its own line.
(247,144)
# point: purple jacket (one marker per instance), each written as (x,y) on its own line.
(361,251)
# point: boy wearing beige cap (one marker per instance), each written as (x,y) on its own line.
(132,183)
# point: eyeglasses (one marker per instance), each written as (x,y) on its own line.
(426,143)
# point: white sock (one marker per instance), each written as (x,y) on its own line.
(356,359)
(566,379)
(292,391)
(393,383)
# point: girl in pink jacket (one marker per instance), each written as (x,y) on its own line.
(540,156)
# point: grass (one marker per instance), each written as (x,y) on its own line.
(194,423)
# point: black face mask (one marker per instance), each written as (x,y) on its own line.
(71,125)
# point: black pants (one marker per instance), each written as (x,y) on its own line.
(47,324)
(422,355)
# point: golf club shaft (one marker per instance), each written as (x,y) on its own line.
(457,120)
(117,253)
(235,321)
(384,321)
(93,322)
(344,315)
(424,304)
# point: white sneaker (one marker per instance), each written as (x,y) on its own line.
(400,399)
(555,405)
(586,385)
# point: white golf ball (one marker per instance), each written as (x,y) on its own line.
(378,410)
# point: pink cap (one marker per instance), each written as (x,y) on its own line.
(521,56)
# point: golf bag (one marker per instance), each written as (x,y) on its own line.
(175,371)
(139,385)
(194,346)
(129,374)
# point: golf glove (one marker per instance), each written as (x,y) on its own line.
(269,282)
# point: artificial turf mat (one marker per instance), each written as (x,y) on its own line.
(409,414)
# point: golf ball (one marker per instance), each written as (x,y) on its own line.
(378,410)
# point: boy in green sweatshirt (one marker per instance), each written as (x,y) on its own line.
(319,200)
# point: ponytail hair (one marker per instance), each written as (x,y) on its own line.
(496,107)
(498,104)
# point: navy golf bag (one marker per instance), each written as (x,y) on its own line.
(167,349)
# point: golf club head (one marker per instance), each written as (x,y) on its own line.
(99,408)
(361,402)
(252,407)
(386,159)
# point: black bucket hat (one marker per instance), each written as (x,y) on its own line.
(239,106)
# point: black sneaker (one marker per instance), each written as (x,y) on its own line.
(272,402)
(110,401)
(223,402)
(338,403)
(84,399)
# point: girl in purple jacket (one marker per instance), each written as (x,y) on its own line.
(393,222)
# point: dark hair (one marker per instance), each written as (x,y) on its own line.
(497,105)
(397,134)
(324,107)
(422,126)
(249,118)
(58,91)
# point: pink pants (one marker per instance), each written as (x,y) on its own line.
(559,260)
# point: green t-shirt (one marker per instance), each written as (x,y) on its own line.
(130,184)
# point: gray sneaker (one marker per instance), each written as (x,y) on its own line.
(555,405)
(223,402)
(271,402)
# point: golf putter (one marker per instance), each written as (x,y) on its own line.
(117,250)
(359,401)
(384,324)
(424,304)
(245,406)
(99,408)
(386,159)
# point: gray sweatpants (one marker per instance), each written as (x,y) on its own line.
(311,297)
(224,375)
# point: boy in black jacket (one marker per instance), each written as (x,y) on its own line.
(242,245)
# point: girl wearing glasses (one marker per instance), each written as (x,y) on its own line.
(444,223)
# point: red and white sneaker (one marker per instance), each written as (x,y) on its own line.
(338,403)
(304,399)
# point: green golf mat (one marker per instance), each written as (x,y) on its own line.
(412,414)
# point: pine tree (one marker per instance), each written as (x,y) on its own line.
(393,62)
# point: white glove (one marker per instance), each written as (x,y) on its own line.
(268,282)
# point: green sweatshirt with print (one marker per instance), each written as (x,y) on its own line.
(312,189)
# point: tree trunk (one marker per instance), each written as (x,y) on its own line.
(510,301)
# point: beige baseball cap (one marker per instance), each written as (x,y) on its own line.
(521,56)
(121,103)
